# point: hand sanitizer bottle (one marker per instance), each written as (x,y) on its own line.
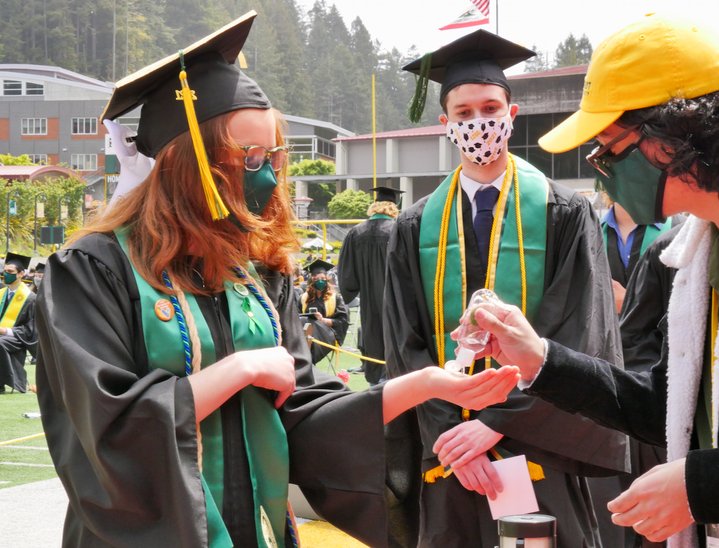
(471,339)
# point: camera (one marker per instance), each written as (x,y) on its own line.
(313,310)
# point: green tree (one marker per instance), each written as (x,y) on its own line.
(10,160)
(321,193)
(572,52)
(53,194)
(537,63)
(312,167)
(349,204)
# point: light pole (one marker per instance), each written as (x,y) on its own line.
(38,196)
(12,194)
(62,200)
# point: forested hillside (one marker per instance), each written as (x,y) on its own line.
(309,64)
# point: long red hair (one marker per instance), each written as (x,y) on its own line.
(170,227)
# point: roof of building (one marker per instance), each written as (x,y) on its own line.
(561,71)
(36,172)
(46,73)
(318,123)
(426,131)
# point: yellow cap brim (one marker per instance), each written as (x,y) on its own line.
(579,128)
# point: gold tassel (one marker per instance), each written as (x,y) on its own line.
(217,207)
(431,476)
(536,472)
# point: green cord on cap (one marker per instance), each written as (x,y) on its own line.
(416,107)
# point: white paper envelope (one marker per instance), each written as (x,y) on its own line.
(518,495)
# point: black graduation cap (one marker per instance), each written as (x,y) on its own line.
(219,85)
(20,261)
(387,194)
(476,58)
(318,266)
(40,267)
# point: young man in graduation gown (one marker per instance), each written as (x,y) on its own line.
(17,323)
(361,271)
(497,222)
(626,241)
(651,99)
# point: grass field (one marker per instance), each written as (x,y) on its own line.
(24,457)
(26,460)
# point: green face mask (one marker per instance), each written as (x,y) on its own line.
(633,182)
(320,285)
(9,278)
(259,186)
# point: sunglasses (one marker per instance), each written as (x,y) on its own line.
(255,157)
(602,156)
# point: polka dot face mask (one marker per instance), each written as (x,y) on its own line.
(481,140)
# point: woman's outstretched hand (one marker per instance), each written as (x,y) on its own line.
(477,391)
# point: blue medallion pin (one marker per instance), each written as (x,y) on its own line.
(164,310)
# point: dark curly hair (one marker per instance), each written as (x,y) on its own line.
(689,132)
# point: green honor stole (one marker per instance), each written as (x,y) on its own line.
(515,266)
(264,435)
(516,258)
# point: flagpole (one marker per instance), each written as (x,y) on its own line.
(374,137)
(496,17)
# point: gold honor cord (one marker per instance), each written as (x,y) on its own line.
(535,470)
(441,265)
(714,329)
(217,207)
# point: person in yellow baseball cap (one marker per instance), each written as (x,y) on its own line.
(651,99)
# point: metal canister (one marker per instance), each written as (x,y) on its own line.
(528,531)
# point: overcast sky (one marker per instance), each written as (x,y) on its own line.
(540,23)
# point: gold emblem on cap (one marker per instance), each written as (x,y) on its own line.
(164,310)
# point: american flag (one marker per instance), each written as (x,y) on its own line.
(475,16)
(482,6)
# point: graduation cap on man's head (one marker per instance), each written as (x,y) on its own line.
(318,266)
(387,194)
(40,267)
(21,262)
(182,90)
(476,58)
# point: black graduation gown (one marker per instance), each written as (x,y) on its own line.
(13,348)
(123,438)
(578,308)
(645,306)
(642,326)
(361,270)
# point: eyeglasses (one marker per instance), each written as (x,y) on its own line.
(601,156)
(256,156)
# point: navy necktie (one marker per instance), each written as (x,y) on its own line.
(485,200)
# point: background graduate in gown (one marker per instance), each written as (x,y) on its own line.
(361,272)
